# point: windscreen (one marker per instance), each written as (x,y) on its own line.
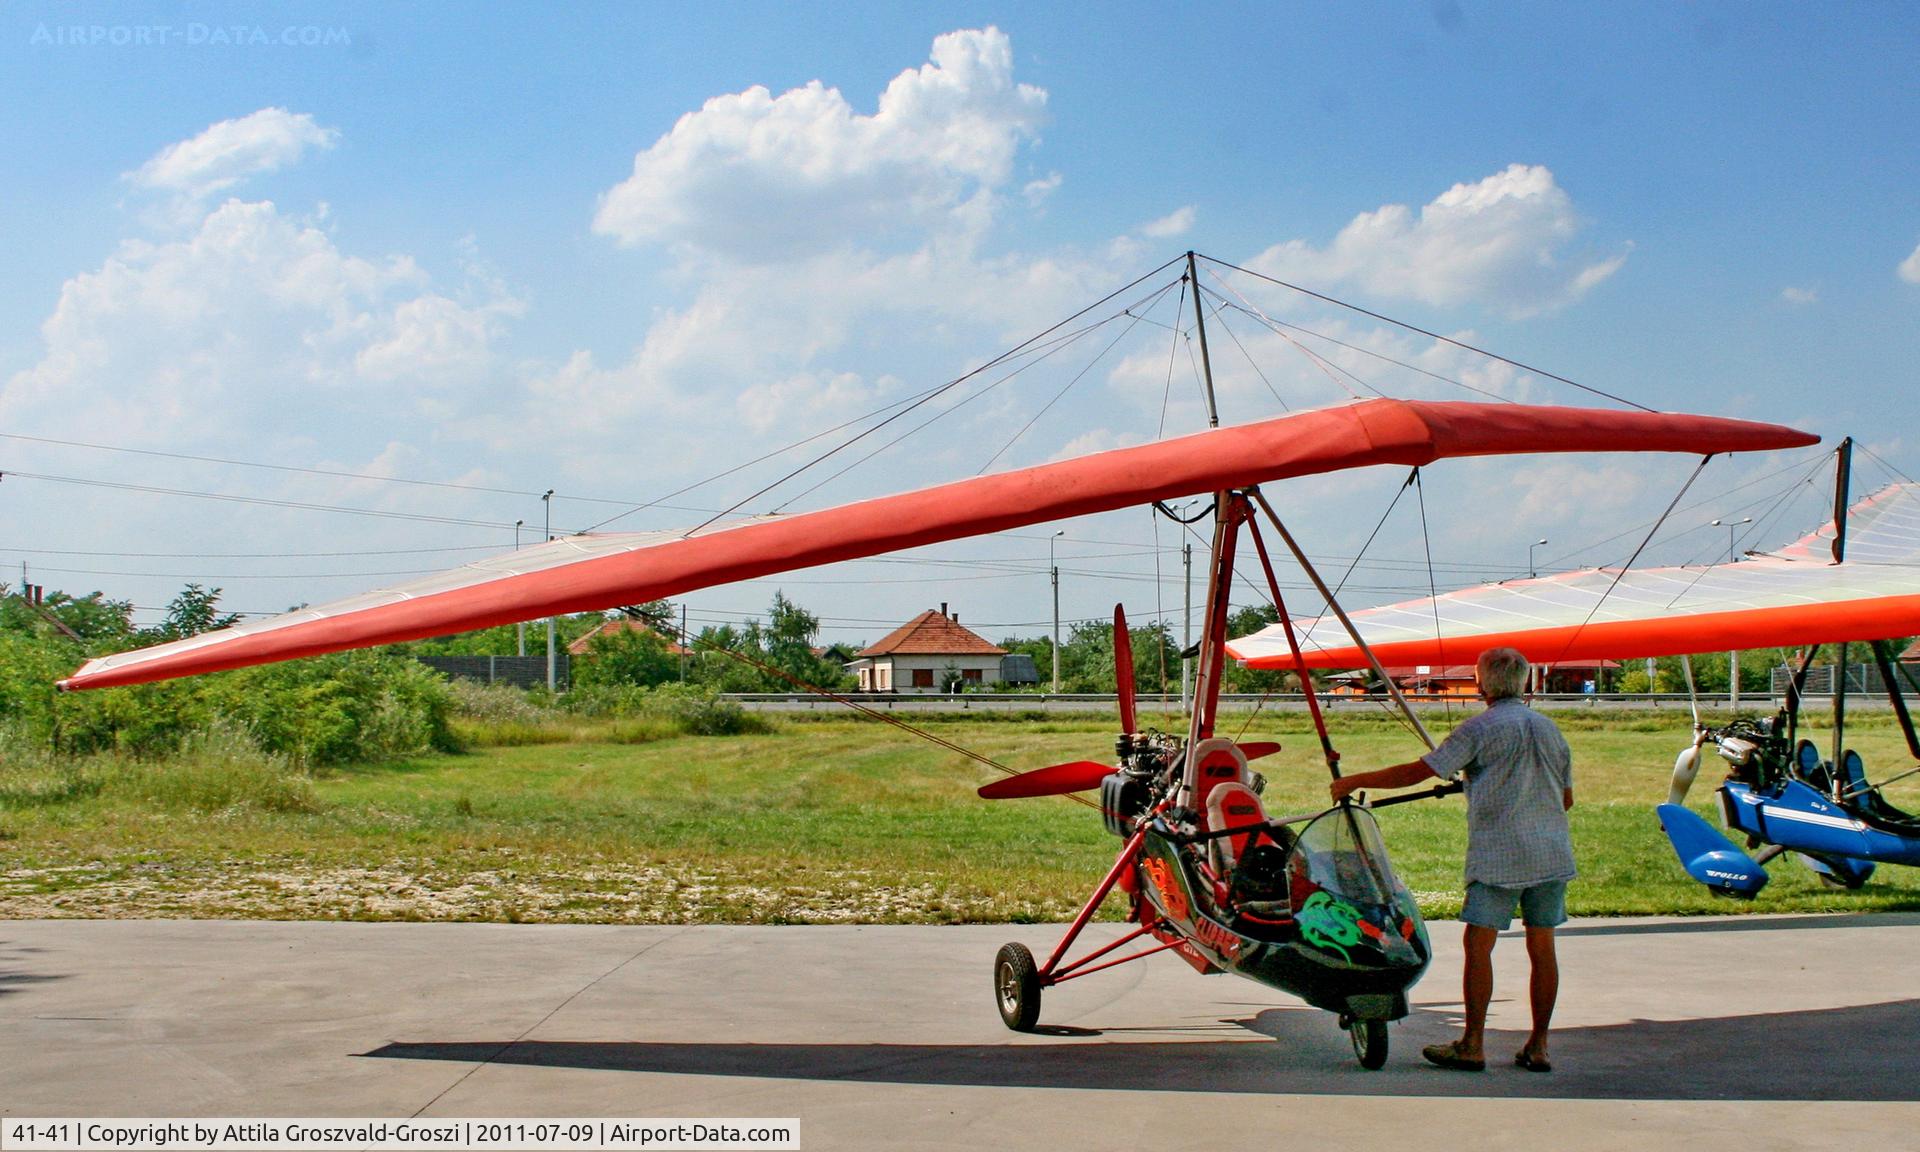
(1341,851)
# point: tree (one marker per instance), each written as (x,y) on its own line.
(193,611)
(628,656)
(784,642)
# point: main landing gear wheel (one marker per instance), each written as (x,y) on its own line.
(1369,1038)
(1016,987)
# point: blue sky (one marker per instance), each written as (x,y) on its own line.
(515,248)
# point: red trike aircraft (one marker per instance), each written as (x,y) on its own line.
(1308,904)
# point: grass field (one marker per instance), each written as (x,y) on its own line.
(816,820)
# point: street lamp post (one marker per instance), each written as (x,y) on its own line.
(1531,573)
(552,679)
(1731,525)
(520,628)
(1054,570)
(1733,656)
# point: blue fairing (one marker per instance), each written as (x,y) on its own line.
(1799,818)
(1708,856)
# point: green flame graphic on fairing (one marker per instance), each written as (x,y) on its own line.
(1329,923)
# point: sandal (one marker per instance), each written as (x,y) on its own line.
(1532,1063)
(1448,1056)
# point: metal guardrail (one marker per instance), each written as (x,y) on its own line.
(1289,701)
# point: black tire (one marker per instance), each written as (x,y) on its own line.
(1016,987)
(1369,1043)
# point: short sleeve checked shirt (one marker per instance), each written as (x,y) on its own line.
(1517,767)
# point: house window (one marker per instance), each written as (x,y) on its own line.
(970,675)
(923,677)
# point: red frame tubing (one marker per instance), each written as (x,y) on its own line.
(1051,972)
(1293,643)
(1233,511)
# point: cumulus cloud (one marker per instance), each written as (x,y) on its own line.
(1037,191)
(763,177)
(1173,224)
(254,325)
(1499,242)
(231,151)
(1793,295)
(1910,267)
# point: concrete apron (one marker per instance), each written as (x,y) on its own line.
(1775,1032)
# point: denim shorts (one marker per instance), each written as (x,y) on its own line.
(1541,906)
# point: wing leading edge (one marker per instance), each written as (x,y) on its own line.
(587,573)
(1793,596)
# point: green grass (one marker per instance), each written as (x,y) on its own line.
(815,820)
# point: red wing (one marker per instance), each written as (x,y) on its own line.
(588,573)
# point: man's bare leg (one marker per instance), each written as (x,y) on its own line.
(1543,986)
(1477,987)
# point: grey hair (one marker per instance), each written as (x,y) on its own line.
(1502,672)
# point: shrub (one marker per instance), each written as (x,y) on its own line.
(701,713)
(214,770)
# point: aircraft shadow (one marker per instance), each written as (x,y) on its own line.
(1846,1057)
(14,980)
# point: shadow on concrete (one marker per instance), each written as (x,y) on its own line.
(12,978)
(1861,1055)
(1760,923)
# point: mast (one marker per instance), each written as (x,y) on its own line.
(1200,326)
(1842,477)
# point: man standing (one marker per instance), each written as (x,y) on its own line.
(1519,783)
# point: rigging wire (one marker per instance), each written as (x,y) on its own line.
(1219,314)
(1429,335)
(1621,574)
(1268,321)
(1057,345)
(954,383)
(1173,347)
(1315,359)
(1433,591)
(1068,387)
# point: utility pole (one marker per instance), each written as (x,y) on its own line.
(1054,568)
(552,679)
(520,628)
(684,641)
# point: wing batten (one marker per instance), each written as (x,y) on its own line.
(588,573)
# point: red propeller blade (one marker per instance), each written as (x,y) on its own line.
(1123,666)
(1254,749)
(1056,780)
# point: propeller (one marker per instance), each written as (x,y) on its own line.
(1123,667)
(1054,780)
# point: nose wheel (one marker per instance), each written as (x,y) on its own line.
(1016,987)
(1369,1039)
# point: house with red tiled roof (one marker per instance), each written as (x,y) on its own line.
(614,627)
(1912,654)
(927,654)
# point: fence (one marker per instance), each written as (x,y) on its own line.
(1863,679)
(519,671)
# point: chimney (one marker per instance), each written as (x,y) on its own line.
(943,607)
